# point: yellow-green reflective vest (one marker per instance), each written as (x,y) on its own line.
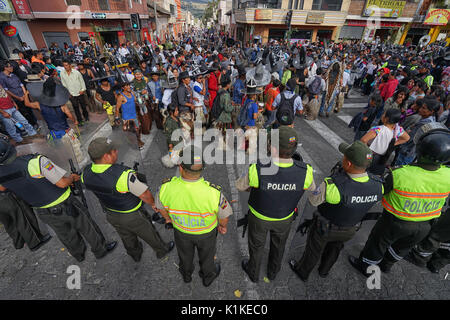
(192,206)
(417,194)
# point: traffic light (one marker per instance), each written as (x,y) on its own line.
(289,18)
(135,21)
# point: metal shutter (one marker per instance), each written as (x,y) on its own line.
(351,32)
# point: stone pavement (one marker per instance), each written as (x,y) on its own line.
(42,274)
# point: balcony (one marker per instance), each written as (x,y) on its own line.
(270,4)
(108,5)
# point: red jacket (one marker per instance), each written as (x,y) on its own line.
(388,90)
(213,86)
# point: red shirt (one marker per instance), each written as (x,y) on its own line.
(5,101)
(388,89)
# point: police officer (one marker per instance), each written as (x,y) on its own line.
(273,201)
(433,251)
(343,199)
(414,195)
(45,187)
(197,210)
(16,216)
(121,195)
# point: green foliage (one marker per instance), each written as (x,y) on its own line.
(209,13)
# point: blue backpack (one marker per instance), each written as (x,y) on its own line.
(243,117)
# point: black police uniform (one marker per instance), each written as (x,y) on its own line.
(273,203)
(20,222)
(69,219)
(129,223)
(434,250)
(334,224)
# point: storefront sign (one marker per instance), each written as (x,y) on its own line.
(10,31)
(146,34)
(121,33)
(4,7)
(437,17)
(383,8)
(261,14)
(363,23)
(99,16)
(22,8)
(315,17)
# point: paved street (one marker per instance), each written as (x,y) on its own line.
(42,274)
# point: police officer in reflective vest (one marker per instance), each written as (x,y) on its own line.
(198,210)
(434,251)
(414,195)
(121,195)
(16,215)
(45,187)
(274,196)
(343,199)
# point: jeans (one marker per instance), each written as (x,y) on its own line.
(271,118)
(322,104)
(331,104)
(10,126)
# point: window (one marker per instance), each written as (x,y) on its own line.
(290,4)
(327,5)
(172,9)
(83,36)
(103,4)
(73,2)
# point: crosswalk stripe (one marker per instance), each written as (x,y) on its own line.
(345,118)
(359,105)
(332,138)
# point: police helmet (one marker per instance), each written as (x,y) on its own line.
(433,144)
(7,151)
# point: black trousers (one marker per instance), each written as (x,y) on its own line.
(72,222)
(206,248)
(131,226)
(26,112)
(78,103)
(391,239)
(19,221)
(257,233)
(367,86)
(325,242)
(436,246)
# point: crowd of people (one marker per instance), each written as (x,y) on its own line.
(209,80)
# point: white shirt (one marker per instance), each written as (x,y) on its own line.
(345,78)
(123,51)
(384,136)
(197,95)
(167,97)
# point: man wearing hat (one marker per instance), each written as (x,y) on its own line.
(197,210)
(50,98)
(155,95)
(46,187)
(273,202)
(239,86)
(185,101)
(199,92)
(121,195)
(343,199)
(169,86)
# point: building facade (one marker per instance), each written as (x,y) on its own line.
(71,21)
(312,20)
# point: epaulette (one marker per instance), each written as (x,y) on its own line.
(215,186)
(376,178)
(396,167)
(166,180)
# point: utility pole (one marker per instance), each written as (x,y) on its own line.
(156,17)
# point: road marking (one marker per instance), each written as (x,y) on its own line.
(360,105)
(345,118)
(148,139)
(252,293)
(332,138)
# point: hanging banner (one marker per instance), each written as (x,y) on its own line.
(383,8)
(120,33)
(22,8)
(10,31)
(91,34)
(437,17)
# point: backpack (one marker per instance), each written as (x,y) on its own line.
(314,87)
(243,117)
(216,109)
(287,105)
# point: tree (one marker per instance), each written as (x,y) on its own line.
(209,14)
